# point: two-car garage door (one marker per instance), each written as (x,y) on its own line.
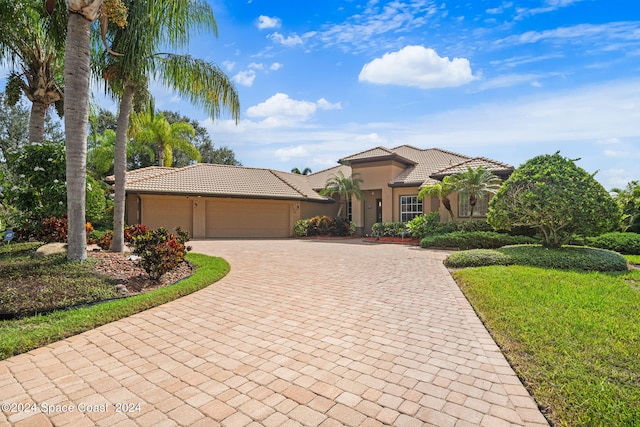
(247,218)
(221,218)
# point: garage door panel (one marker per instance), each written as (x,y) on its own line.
(240,218)
(168,213)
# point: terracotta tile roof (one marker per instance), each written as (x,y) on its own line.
(374,154)
(494,166)
(140,173)
(427,161)
(222,180)
(318,180)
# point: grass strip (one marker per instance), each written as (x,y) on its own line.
(633,259)
(22,335)
(573,337)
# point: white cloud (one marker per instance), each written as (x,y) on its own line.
(276,66)
(286,154)
(417,66)
(378,24)
(617,153)
(265,22)
(509,80)
(282,110)
(326,105)
(608,141)
(229,65)
(245,78)
(285,41)
(256,66)
(585,33)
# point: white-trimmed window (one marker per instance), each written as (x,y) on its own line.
(349,209)
(464,208)
(410,207)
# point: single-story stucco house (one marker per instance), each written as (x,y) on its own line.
(212,200)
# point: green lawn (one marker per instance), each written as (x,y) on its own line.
(633,259)
(22,335)
(573,337)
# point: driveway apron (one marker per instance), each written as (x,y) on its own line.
(299,333)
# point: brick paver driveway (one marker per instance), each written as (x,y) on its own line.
(301,332)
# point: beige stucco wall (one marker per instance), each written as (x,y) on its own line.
(311,209)
(376,176)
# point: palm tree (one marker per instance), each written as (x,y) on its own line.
(475,184)
(153,129)
(151,24)
(628,199)
(305,171)
(76,110)
(442,190)
(76,114)
(346,187)
(28,40)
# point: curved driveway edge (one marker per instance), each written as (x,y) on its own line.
(301,332)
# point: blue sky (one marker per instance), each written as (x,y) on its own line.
(507,80)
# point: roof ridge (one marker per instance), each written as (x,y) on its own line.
(379,147)
(339,165)
(290,184)
(449,152)
(167,171)
(409,146)
(497,162)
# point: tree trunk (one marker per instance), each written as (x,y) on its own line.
(447,205)
(76,117)
(36,121)
(120,168)
(161,155)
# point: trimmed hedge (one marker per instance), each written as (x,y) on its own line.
(474,240)
(625,243)
(323,226)
(565,258)
(390,229)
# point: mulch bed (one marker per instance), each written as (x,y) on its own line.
(123,270)
(396,240)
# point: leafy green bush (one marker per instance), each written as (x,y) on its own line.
(554,195)
(565,258)
(625,243)
(300,228)
(130,231)
(423,225)
(390,229)
(36,185)
(160,251)
(323,226)
(473,240)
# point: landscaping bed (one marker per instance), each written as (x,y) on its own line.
(390,239)
(30,285)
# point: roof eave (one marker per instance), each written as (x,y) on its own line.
(226,195)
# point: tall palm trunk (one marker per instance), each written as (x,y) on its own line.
(76,112)
(120,168)
(36,121)
(161,154)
